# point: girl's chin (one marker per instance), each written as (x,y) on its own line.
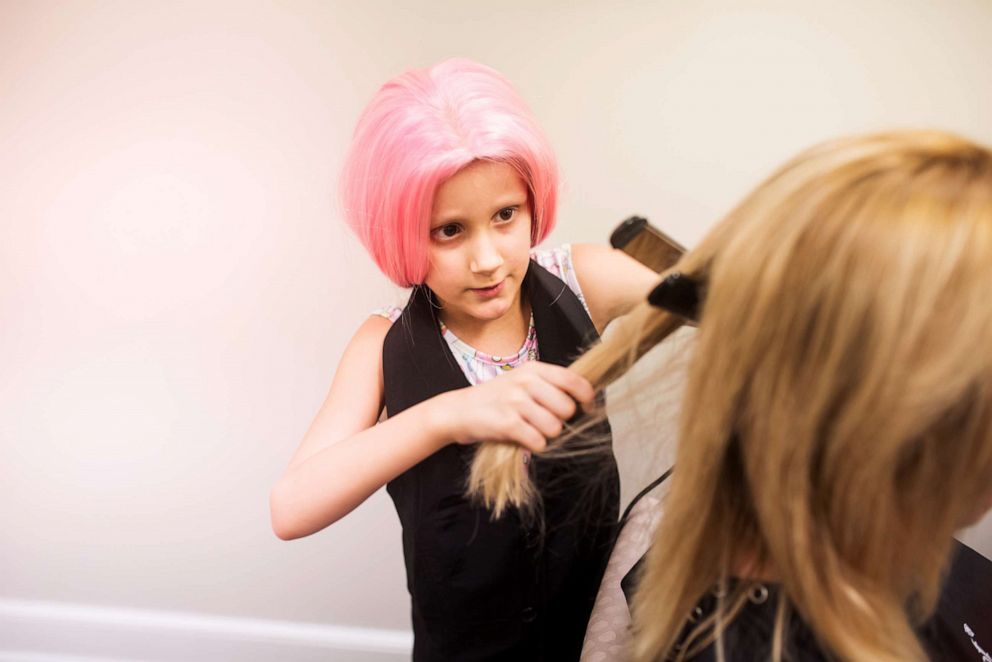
(491,310)
(488,309)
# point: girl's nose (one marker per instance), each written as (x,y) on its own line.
(485,257)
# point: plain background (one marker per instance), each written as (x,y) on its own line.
(176,286)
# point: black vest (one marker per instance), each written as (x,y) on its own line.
(484,590)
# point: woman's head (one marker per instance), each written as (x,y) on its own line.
(421,128)
(837,422)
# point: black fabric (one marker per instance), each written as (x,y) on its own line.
(748,637)
(960,628)
(484,590)
(962,624)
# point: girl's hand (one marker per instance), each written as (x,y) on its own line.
(527,406)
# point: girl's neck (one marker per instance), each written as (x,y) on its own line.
(499,337)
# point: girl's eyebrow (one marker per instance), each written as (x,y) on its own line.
(457,216)
(454,215)
(513,200)
(441,221)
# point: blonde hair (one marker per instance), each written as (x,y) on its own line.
(837,418)
(498,477)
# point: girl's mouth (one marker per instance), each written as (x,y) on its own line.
(489,292)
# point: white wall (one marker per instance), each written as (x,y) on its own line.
(176,288)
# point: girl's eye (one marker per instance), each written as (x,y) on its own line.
(446,231)
(506,213)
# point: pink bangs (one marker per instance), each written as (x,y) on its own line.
(420,129)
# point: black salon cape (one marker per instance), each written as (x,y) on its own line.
(960,629)
(484,590)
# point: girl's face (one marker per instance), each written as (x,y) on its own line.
(479,243)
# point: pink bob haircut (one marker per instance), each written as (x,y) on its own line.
(421,128)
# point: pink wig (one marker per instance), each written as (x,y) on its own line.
(421,128)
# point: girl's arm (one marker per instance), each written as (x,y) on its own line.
(345,456)
(611,281)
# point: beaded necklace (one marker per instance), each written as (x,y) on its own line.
(527,352)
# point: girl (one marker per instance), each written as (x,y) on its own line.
(837,424)
(449,184)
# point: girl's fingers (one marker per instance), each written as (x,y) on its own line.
(552,398)
(542,420)
(528,436)
(577,386)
